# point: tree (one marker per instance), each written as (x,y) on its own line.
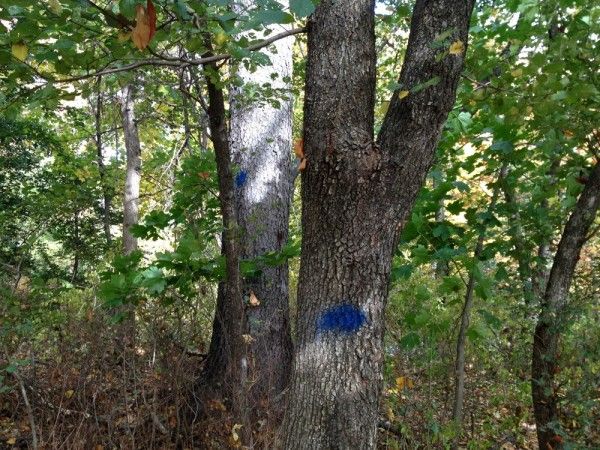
(131,193)
(356,195)
(260,139)
(544,364)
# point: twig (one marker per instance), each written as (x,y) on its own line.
(34,442)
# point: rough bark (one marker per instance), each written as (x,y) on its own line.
(356,194)
(227,362)
(133,169)
(552,315)
(260,140)
(459,380)
(100,161)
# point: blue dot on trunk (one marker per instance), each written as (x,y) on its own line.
(345,318)
(240,178)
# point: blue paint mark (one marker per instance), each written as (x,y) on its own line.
(240,178)
(345,318)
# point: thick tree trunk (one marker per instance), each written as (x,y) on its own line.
(261,142)
(459,380)
(133,169)
(100,160)
(356,193)
(551,320)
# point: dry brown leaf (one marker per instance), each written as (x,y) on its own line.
(302,165)
(299,148)
(254,301)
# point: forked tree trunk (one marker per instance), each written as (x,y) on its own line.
(261,142)
(356,195)
(547,334)
(133,169)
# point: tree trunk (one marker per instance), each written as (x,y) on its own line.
(544,363)
(227,361)
(459,380)
(261,142)
(130,201)
(132,171)
(356,194)
(100,160)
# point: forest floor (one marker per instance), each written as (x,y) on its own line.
(81,390)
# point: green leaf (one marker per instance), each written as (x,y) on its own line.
(401,272)
(451,284)
(490,319)
(127,7)
(154,280)
(476,332)
(302,8)
(410,341)
(271,16)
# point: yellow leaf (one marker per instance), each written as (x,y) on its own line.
(221,38)
(254,301)
(20,51)
(55,6)
(247,338)
(517,73)
(69,393)
(123,37)
(403,94)
(390,414)
(404,383)
(456,48)
(11,441)
(234,432)
(400,383)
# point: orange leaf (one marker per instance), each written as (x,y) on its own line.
(299,148)
(302,165)
(141,33)
(151,18)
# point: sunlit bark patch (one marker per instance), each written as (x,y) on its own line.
(344,318)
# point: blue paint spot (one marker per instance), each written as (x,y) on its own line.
(345,318)
(240,178)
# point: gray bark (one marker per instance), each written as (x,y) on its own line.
(552,316)
(132,171)
(261,141)
(356,194)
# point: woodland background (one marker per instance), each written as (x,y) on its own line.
(516,152)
